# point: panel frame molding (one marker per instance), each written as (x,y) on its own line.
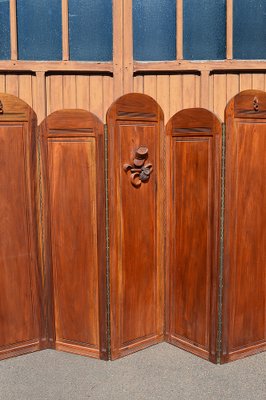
(196,124)
(17,113)
(78,126)
(133,110)
(242,109)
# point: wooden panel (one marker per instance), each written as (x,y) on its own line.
(244,322)
(19,280)
(75,232)
(136,242)
(193,189)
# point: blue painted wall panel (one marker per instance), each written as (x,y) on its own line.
(4,30)
(90,30)
(154,30)
(249,29)
(39,29)
(204,29)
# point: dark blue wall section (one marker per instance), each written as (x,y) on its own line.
(204,29)
(249,29)
(39,29)
(4,30)
(154,27)
(90,30)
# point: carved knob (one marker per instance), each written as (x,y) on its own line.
(139,171)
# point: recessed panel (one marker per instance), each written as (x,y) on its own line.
(191,267)
(72,193)
(248,267)
(17,311)
(138,219)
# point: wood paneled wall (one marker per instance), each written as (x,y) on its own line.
(95,93)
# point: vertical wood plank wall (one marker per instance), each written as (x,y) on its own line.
(95,93)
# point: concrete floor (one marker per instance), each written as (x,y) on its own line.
(160,372)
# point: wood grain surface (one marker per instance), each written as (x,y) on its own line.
(136,241)
(244,322)
(74,215)
(193,194)
(20,312)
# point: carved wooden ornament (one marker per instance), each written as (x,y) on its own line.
(256,104)
(139,171)
(1,108)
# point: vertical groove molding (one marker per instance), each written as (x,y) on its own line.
(204,89)
(179,29)
(128,46)
(40,99)
(65,32)
(229,29)
(118,47)
(13,30)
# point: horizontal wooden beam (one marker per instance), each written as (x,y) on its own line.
(50,66)
(183,65)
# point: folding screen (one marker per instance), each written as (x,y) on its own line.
(20,317)
(74,232)
(193,203)
(135,175)
(244,314)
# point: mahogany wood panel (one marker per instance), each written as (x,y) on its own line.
(20,317)
(244,314)
(193,200)
(135,126)
(74,218)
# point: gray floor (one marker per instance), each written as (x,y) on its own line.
(160,372)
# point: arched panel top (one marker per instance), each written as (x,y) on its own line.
(247,104)
(136,107)
(14,109)
(81,122)
(193,121)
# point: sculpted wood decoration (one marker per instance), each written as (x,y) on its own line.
(256,104)
(140,172)
(1,107)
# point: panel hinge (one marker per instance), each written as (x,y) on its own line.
(108,325)
(221,259)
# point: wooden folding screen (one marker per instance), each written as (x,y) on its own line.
(193,202)
(244,314)
(135,173)
(20,319)
(74,232)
